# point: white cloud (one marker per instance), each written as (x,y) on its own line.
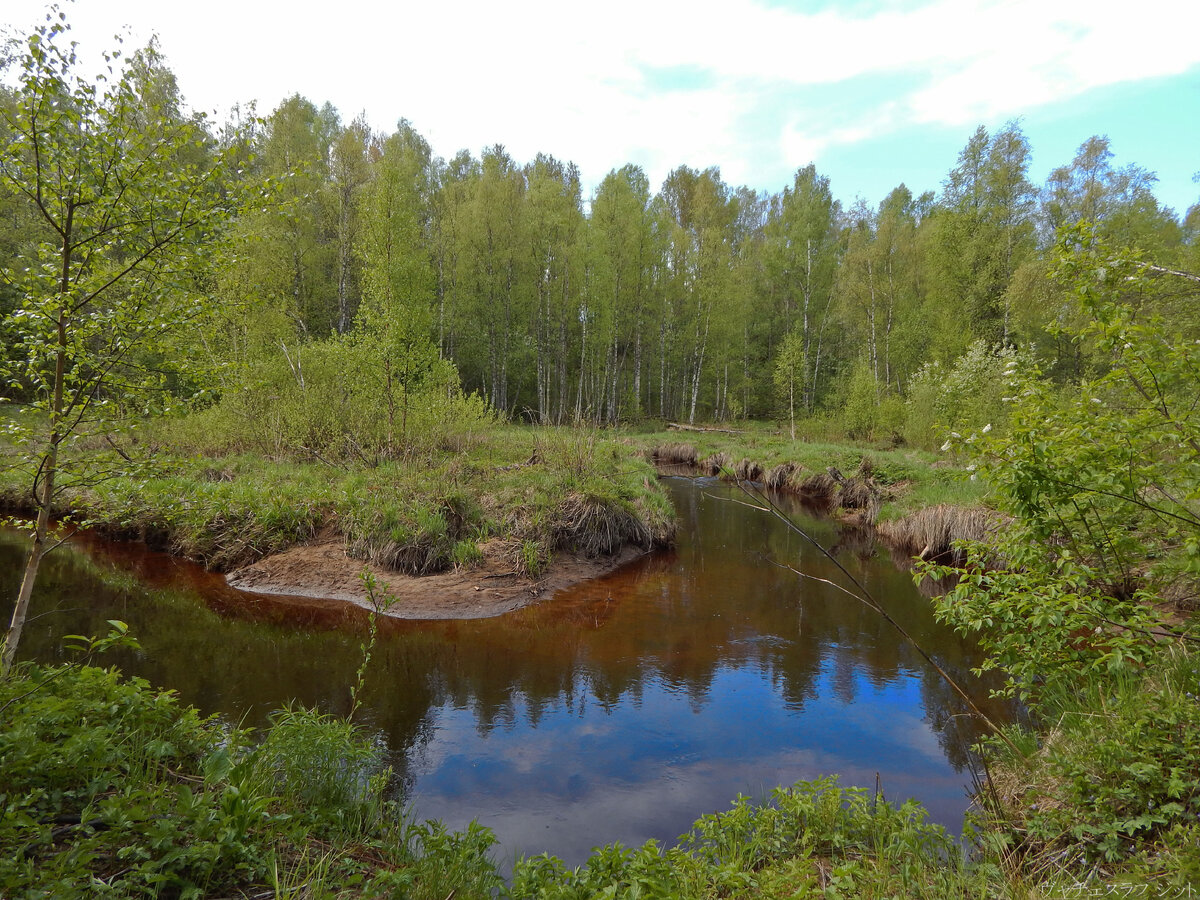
(581,81)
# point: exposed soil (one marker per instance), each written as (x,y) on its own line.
(322,569)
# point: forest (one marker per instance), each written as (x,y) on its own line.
(230,339)
(694,300)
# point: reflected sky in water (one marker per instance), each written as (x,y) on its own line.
(620,710)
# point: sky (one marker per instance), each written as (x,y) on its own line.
(873,92)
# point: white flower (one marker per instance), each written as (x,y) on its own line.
(945,446)
(987,427)
(955,434)
(1097,400)
(971,467)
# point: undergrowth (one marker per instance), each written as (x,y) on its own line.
(574,490)
(1107,789)
(111,788)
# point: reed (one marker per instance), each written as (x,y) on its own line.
(930,533)
(673,455)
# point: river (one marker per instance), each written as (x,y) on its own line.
(619,710)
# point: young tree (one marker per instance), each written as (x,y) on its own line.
(122,199)
(398,277)
(801,263)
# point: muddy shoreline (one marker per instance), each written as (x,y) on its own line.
(322,569)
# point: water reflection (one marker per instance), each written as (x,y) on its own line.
(620,710)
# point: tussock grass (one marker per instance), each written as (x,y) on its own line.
(674,455)
(596,525)
(716,463)
(779,478)
(861,494)
(748,470)
(931,533)
(819,490)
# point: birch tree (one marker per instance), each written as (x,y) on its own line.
(123,197)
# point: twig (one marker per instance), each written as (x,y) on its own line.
(864,596)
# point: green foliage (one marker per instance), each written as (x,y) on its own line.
(380,600)
(1043,626)
(971,395)
(814,839)
(113,789)
(861,405)
(1102,483)
(1114,781)
(120,193)
(89,770)
(327,767)
(350,398)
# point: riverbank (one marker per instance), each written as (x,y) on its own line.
(906,479)
(480,526)
(917,503)
(503,517)
(493,586)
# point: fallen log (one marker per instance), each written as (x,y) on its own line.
(680,427)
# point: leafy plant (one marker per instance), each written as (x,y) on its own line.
(1103,483)
(1116,772)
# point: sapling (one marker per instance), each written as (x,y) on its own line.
(381,600)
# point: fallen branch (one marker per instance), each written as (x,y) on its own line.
(680,427)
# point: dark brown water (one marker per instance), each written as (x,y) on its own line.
(622,709)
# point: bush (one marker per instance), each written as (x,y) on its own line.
(111,788)
(1117,773)
(342,399)
(97,778)
(969,396)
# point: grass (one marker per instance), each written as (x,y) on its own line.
(575,490)
(1108,787)
(538,490)
(910,479)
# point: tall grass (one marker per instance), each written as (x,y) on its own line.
(1109,786)
(526,486)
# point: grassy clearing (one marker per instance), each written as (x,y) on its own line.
(539,490)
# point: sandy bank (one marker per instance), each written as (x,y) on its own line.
(322,569)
